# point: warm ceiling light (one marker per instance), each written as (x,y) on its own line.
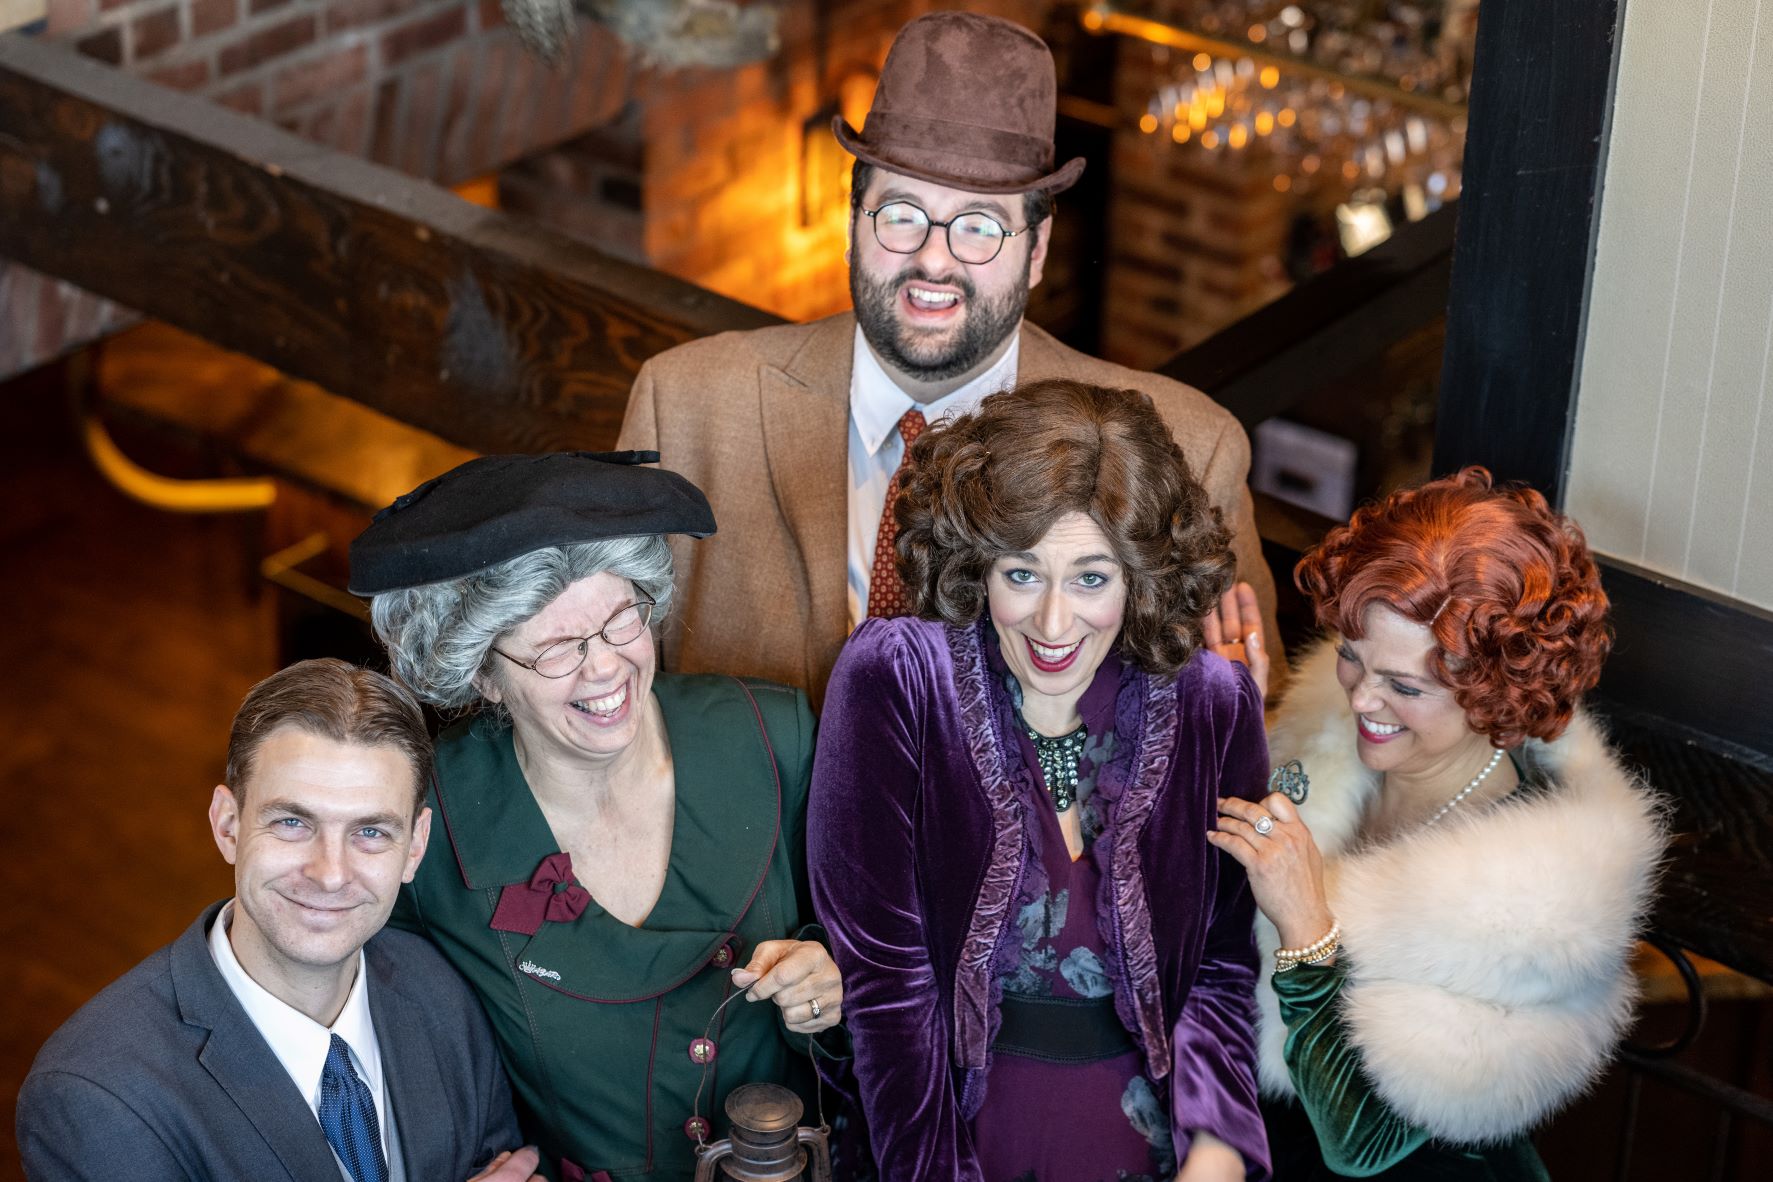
(1203,62)
(1148,123)
(1264,122)
(1282,183)
(1270,77)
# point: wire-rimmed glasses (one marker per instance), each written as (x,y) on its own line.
(563,658)
(974,238)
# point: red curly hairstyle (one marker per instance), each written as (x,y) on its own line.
(1506,586)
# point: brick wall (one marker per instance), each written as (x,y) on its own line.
(735,159)
(731,178)
(1196,238)
(728,178)
(439,89)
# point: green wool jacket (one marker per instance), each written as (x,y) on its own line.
(597,1021)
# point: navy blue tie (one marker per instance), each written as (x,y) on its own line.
(348,1117)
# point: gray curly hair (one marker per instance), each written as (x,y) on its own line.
(440,636)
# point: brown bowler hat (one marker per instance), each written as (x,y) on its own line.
(965,101)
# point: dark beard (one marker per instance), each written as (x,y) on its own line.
(987,323)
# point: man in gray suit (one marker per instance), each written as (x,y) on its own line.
(285,1035)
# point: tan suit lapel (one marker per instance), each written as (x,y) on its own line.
(805,410)
(1040,357)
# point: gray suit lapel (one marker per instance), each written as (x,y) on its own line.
(242,1063)
(424,1114)
(805,413)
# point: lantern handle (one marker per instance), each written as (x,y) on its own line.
(818,1148)
(708,1159)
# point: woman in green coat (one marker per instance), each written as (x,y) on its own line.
(623,849)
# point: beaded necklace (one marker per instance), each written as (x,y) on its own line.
(1495,758)
(1058,758)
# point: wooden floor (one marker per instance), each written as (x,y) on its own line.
(130,635)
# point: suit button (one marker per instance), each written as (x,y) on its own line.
(723,956)
(696,1128)
(701,1051)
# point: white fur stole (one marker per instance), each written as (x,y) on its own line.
(1485,957)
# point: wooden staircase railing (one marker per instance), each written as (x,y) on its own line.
(492,332)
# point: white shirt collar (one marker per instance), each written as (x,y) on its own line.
(300,1043)
(877,402)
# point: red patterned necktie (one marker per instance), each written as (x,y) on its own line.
(886,594)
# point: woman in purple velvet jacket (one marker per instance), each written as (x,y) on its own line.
(1048,971)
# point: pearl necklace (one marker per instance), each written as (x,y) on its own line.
(1495,759)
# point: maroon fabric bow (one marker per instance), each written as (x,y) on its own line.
(572,1171)
(525,906)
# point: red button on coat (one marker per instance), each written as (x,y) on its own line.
(701,1051)
(695,1128)
(723,956)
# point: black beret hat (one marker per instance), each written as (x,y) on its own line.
(498,507)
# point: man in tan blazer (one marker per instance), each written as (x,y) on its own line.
(948,232)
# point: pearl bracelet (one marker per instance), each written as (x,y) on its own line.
(1318,957)
(1316,952)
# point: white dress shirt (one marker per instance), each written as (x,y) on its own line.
(302,1044)
(877,403)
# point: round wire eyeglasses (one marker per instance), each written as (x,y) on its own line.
(563,658)
(974,238)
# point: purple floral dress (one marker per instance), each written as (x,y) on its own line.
(1044,1121)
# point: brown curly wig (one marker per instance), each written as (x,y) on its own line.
(993,482)
(1506,586)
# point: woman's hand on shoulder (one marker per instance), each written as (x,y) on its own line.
(1235,632)
(795,974)
(1285,868)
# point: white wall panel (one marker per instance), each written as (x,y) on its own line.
(1672,458)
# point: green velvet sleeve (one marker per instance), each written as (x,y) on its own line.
(1358,1132)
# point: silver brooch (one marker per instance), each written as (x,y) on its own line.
(1290,780)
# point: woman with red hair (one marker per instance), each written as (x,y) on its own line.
(1449,903)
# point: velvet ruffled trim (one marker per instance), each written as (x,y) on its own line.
(978,981)
(1145,718)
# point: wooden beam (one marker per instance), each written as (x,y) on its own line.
(1540,100)
(1328,327)
(490,331)
(1694,659)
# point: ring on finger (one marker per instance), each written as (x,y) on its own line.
(1265,824)
(815,1004)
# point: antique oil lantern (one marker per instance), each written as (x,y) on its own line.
(767,1143)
